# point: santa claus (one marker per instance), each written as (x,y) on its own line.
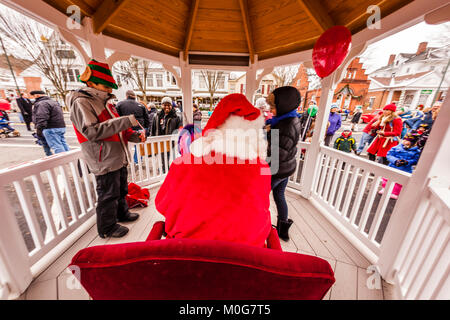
(220,190)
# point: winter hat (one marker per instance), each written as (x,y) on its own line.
(346,128)
(166,100)
(334,105)
(392,107)
(411,137)
(261,104)
(98,72)
(286,99)
(233,104)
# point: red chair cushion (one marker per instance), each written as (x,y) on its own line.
(190,269)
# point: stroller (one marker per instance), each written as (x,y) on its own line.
(5,128)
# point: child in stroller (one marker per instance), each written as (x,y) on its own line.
(5,128)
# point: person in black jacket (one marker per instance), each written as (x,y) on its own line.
(152,111)
(131,106)
(283,103)
(48,119)
(166,122)
(26,108)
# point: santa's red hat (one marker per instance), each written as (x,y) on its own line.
(392,107)
(234,112)
(234,104)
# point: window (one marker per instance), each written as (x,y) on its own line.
(221,84)
(71,74)
(371,102)
(150,82)
(77,73)
(159,80)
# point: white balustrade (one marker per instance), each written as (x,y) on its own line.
(295,181)
(423,264)
(346,190)
(39,196)
(151,168)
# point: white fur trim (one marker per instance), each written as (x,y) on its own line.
(236,137)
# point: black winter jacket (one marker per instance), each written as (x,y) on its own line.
(47,114)
(165,124)
(131,106)
(289,133)
(26,108)
(151,115)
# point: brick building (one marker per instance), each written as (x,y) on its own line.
(350,92)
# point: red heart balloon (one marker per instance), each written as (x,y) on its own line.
(331,49)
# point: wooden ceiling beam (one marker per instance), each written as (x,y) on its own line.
(84,8)
(105,13)
(317,13)
(190,27)
(248,28)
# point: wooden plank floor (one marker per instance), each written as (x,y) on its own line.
(311,234)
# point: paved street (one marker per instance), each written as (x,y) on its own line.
(17,150)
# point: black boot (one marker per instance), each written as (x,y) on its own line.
(283,229)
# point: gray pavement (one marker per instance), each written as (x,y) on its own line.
(17,150)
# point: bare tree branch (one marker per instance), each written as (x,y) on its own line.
(50,55)
(284,75)
(212,80)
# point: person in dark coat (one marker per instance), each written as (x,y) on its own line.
(166,122)
(152,111)
(130,106)
(283,103)
(356,117)
(48,119)
(26,108)
(335,123)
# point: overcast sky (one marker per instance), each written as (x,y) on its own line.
(378,53)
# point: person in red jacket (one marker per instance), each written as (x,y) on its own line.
(388,128)
(368,134)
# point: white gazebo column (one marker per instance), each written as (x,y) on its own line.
(433,163)
(312,155)
(250,81)
(401,100)
(186,89)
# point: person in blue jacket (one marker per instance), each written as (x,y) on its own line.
(334,124)
(402,157)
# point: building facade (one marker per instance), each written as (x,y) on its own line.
(411,79)
(350,92)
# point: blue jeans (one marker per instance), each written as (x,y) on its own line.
(278,188)
(55,139)
(366,138)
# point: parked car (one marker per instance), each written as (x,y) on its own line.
(366,117)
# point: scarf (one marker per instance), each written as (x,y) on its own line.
(274,121)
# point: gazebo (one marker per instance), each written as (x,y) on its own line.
(406,242)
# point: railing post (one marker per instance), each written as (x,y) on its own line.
(433,162)
(312,154)
(15,270)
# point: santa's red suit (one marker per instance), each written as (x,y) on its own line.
(220,191)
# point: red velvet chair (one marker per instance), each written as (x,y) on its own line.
(189,269)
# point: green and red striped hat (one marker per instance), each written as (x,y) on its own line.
(98,72)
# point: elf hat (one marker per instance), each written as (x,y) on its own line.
(98,72)
(234,104)
(392,107)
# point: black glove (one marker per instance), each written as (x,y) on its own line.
(404,162)
(398,163)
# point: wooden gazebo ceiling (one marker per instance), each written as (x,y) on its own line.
(268,28)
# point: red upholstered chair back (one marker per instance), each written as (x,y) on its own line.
(188,269)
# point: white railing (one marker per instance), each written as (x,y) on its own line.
(49,203)
(347,188)
(152,156)
(296,180)
(46,205)
(423,264)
